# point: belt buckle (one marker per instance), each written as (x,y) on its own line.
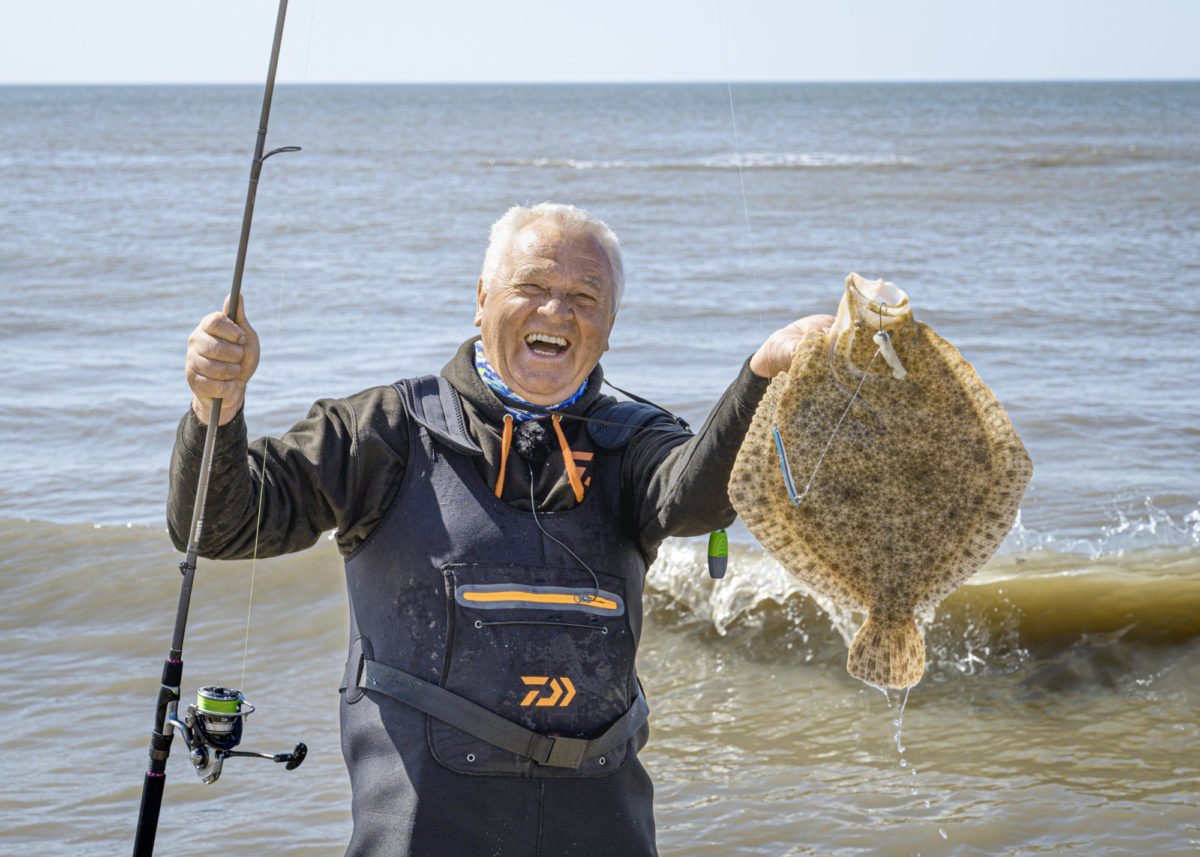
(564,752)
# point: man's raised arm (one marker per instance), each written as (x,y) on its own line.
(310,471)
(680,483)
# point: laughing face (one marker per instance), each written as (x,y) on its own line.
(546,316)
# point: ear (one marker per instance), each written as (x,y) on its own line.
(480,297)
(611,322)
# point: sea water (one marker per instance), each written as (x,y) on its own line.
(1047,230)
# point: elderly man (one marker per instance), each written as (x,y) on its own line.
(496,525)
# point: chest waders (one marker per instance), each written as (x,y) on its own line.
(490,704)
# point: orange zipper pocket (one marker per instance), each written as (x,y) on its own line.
(505,596)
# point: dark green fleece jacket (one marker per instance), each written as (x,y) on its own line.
(341,467)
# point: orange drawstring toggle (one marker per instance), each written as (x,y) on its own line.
(505,446)
(568,459)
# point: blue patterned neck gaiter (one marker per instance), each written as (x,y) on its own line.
(492,378)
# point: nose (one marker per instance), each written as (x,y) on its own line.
(556,306)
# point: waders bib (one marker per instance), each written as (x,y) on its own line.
(490,703)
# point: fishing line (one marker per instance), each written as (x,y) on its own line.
(312,16)
(254,564)
(305,103)
(737,145)
(733,115)
(884,342)
(797,499)
(262,492)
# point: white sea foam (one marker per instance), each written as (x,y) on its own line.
(1131,525)
(720,161)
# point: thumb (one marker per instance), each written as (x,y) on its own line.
(240,317)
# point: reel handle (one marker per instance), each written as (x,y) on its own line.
(293,758)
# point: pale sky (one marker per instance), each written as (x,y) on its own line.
(170,41)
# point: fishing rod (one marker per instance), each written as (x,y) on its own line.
(212,726)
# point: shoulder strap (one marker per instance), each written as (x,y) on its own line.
(434,404)
(613,424)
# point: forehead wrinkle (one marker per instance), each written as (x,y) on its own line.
(525,269)
(553,270)
(545,249)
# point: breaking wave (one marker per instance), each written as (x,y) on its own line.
(1056,610)
(1074,607)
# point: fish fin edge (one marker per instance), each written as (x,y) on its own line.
(887,655)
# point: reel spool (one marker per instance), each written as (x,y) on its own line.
(212,728)
(217,716)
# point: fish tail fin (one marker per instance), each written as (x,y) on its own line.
(887,654)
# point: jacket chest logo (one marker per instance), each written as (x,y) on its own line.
(582,460)
(559,691)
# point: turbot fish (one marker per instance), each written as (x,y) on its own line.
(882,472)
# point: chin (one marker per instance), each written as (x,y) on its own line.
(550,393)
(554,386)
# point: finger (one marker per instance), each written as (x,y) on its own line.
(203,345)
(223,327)
(213,388)
(813,322)
(240,318)
(217,370)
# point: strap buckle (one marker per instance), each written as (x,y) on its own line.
(558,752)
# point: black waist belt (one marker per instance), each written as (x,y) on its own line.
(488,726)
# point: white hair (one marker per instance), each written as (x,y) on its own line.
(563,216)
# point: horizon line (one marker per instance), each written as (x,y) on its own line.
(695,82)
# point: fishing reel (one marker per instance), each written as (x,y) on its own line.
(212,728)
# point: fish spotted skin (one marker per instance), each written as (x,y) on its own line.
(919,486)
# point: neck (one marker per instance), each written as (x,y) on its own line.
(509,398)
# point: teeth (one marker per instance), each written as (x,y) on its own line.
(543,337)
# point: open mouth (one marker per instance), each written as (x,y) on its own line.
(546,345)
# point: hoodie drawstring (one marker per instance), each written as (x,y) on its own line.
(568,460)
(505,446)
